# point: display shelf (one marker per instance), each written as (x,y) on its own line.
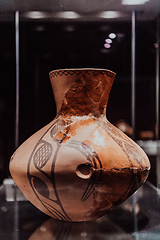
(137,218)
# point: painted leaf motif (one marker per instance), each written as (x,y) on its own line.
(41,187)
(42,155)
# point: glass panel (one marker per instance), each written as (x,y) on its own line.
(81,34)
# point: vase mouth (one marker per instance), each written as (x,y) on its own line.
(88,88)
(82,70)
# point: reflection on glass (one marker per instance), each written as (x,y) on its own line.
(68,15)
(134,2)
(108,40)
(36,14)
(111,14)
(112,35)
(102,228)
(107,45)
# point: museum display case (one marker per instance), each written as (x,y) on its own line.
(37,37)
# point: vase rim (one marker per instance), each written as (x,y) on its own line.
(83,69)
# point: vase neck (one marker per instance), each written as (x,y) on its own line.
(81,92)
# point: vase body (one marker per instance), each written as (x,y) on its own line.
(79,166)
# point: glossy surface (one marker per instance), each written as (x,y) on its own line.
(22,221)
(79,166)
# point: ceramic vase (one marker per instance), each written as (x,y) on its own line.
(79,166)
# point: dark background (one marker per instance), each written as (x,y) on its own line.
(47,45)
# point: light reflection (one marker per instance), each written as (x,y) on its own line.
(4,209)
(156,45)
(112,35)
(68,15)
(73,15)
(107,45)
(134,2)
(36,14)
(111,14)
(102,228)
(43,229)
(98,139)
(108,40)
(69,28)
(104,50)
(45,15)
(40,28)
(83,234)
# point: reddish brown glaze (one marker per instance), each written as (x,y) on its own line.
(79,166)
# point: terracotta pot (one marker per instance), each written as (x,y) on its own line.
(79,166)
